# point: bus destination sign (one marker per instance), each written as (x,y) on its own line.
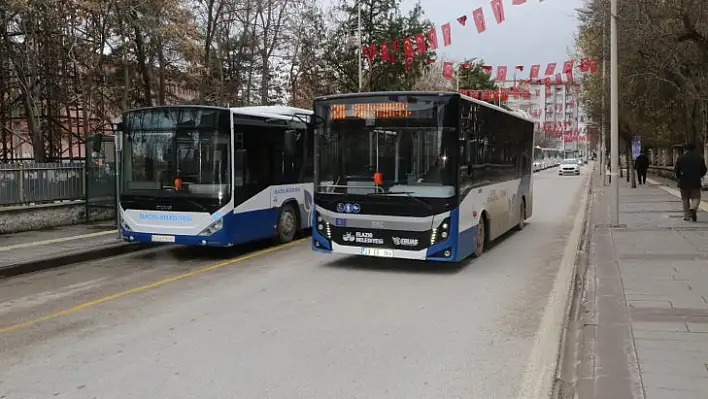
(383,110)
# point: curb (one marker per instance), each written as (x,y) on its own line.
(104,251)
(540,375)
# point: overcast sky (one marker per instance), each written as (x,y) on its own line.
(533,33)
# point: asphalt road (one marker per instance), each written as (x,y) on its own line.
(286,323)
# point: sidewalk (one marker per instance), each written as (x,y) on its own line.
(35,250)
(645,322)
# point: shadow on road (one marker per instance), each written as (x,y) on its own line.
(189,253)
(366,263)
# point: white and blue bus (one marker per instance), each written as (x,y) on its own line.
(418,175)
(215,176)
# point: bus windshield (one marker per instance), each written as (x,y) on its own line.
(177,151)
(392,145)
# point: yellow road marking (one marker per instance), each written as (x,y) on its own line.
(57,240)
(156,284)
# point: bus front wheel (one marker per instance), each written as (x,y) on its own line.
(287,224)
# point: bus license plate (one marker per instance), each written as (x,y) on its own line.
(380,252)
(158,238)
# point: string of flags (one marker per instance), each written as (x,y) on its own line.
(519,91)
(421,42)
(551,75)
(388,51)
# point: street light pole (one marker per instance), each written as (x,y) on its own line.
(360,50)
(614,117)
(118,135)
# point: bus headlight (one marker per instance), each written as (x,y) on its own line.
(323,227)
(212,228)
(440,233)
(125,226)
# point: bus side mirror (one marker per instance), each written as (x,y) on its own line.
(290,141)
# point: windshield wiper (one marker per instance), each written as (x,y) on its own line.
(408,193)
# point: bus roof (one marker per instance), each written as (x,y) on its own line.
(267,112)
(514,113)
(276,109)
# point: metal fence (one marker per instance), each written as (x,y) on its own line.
(27,183)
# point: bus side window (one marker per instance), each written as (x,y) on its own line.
(304,161)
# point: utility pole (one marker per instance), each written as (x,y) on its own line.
(603,130)
(614,116)
(118,135)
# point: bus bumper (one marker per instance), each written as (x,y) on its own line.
(445,251)
(218,239)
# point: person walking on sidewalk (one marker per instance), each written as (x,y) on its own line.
(690,169)
(641,165)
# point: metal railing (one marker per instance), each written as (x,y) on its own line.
(28,183)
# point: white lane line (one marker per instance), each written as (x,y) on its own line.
(676,193)
(538,378)
(57,240)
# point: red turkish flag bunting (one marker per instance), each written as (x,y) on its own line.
(498,9)
(448,70)
(593,66)
(420,43)
(408,52)
(535,69)
(478,16)
(550,68)
(447,36)
(520,68)
(462,20)
(433,38)
(408,48)
(501,73)
(385,55)
(568,67)
(518,2)
(369,51)
(487,68)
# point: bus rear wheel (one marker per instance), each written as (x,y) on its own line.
(287,224)
(522,216)
(480,237)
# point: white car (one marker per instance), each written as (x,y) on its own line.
(569,166)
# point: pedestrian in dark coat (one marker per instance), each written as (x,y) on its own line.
(690,169)
(641,165)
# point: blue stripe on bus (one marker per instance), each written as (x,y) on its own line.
(239,228)
(318,237)
(451,243)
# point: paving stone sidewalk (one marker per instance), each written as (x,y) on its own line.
(645,331)
(34,247)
